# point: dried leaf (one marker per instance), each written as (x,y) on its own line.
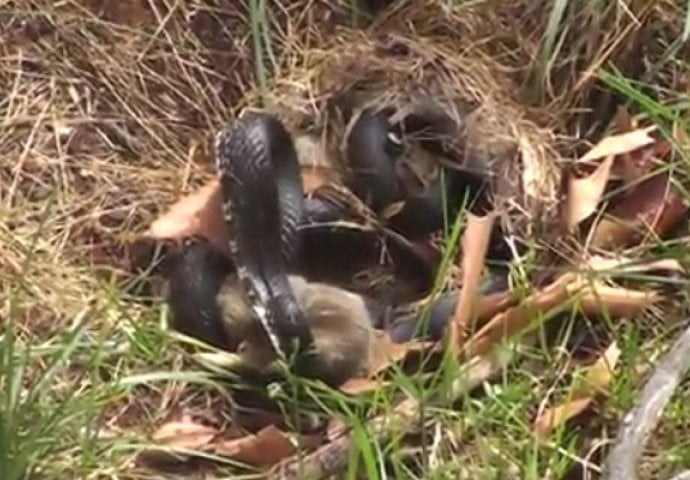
(511,321)
(618,144)
(386,352)
(616,301)
(199,213)
(623,264)
(184,434)
(634,165)
(475,243)
(176,443)
(359,386)
(652,207)
(584,194)
(265,448)
(553,417)
(597,379)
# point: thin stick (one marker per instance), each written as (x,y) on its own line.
(643,418)
(475,244)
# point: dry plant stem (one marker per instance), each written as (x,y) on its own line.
(643,418)
(475,245)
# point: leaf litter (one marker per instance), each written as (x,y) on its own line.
(199,214)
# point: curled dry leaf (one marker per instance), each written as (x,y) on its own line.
(653,207)
(176,442)
(621,143)
(615,301)
(386,352)
(585,193)
(200,213)
(266,447)
(197,214)
(594,297)
(184,434)
(596,381)
(475,244)
(512,320)
(359,386)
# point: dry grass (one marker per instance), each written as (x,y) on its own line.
(107,112)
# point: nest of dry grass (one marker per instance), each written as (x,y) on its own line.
(327,87)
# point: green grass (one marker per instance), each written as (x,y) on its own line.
(86,372)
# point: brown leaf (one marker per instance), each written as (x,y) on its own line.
(634,165)
(265,448)
(184,434)
(616,301)
(597,379)
(618,144)
(475,243)
(359,386)
(621,264)
(511,321)
(653,207)
(386,352)
(199,213)
(176,442)
(553,417)
(584,194)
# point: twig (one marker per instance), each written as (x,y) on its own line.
(643,418)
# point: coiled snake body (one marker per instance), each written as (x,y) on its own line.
(261,185)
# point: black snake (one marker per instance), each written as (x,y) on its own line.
(262,190)
(263,205)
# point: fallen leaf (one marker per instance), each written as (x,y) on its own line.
(197,214)
(553,417)
(386,352)
(359,386)
(632,166)
(475,244)
(584,194)
(618,144)
(616,301)
(596,380)
(653,207)
(184,434)
(511,321)
(266,447)
(175,443)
